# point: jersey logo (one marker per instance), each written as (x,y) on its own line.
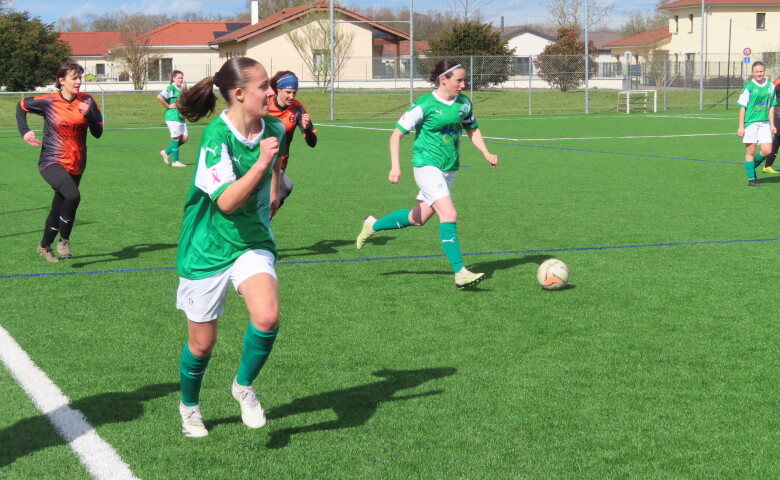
(215,176)
(236,160)
(212,151)
(439,112)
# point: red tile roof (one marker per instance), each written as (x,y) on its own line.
(642,39)
(288,14)
(90,43)
(694,3)
(192,33)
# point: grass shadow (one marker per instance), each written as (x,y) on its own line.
(33,434)
(356,405)
(133,251)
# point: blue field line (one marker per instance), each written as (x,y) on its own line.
(408,257)
(629,154)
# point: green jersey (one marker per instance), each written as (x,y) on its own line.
(211,240)
(756,100)
(438,124)
(171,95)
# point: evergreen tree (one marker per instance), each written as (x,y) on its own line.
(562,63)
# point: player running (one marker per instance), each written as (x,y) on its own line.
(756,120)
(178,128)
(67,114)
(770,160)
(438,118)
(293,114)
(226,234)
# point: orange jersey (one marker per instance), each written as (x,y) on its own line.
(64,128)
(290,117)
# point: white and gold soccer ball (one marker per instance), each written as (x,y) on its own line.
(553,274)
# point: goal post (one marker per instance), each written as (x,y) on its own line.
(636,100)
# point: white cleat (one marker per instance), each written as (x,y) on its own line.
(165,156)
(464,278)
(178,164)
(192,421)
(367,231)
(252,413)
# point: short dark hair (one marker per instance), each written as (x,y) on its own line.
(66,68)
(441,67)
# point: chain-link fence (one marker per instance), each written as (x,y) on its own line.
(379,87)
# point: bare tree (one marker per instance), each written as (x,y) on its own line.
(470,10)
(135,54)
(311,39)
(641,22)
(572,13)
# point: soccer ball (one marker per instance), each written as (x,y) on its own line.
(553,274)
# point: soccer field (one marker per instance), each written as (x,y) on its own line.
(655,362)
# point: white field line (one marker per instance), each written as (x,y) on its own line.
(100,459)
(550,139)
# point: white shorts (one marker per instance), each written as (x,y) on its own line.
(434,183)
(204,300)
(759,132)
(177,129)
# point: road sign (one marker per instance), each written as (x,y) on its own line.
(746,52)
(746,60)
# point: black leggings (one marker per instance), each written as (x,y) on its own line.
(770,160)
(63,205)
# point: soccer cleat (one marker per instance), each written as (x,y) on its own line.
(770,169)
(753,183)
(192,421)
(464,278)
(367,231)
(63,248)
(46,253)
(165,156)
(252,413)
(178,164)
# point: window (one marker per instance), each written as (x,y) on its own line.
(761,21)
(100,69)
(521,66)
(676,24)
(690,64)
(690,20)
(160,70)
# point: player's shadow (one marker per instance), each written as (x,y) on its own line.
(133,251)
(33,434)
(488,268)
(38,231)
(773,179)
(326,247)
(354,406)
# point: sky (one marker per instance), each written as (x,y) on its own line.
(515,12)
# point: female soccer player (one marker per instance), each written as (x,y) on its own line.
(226,234)
(770,160)
(173,118)
(756,120)
(293,114)
(67,114)
(438,119)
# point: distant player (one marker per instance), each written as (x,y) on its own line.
(178,128)
(770,160)
(294,115)
(67,114)
(756,120)
(438,119)
(226,233)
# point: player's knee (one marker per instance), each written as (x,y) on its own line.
(202,347)
(266,321)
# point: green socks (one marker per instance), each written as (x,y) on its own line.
(191,370)
(758,160)
(395,220)
(257,347)
(750,168)
(448,233)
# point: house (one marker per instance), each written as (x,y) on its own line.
(268,41)
(179,46)
(638,48)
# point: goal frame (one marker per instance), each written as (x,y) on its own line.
(629,93)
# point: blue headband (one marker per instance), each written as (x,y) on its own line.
(287,82)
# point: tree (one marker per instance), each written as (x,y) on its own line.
(563,63)
(571,13)
(469,39)
(641,22)
(470,10)
(311,39)
(30,52)
(135,54)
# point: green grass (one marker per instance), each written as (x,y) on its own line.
(658,362)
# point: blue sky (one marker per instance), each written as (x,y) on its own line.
(515,12)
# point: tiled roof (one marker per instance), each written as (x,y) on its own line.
(90,43)
(288,14)
(192,33)
(694,3)
(642,39)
